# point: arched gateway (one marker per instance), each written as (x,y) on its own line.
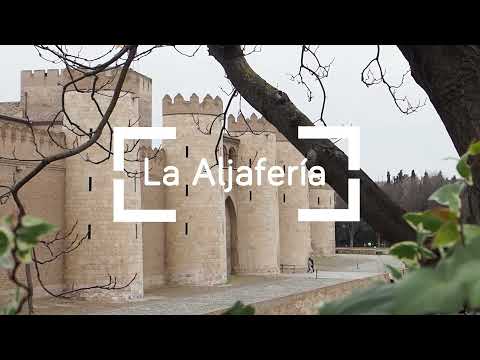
(231,235)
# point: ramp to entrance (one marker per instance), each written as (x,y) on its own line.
(297,293)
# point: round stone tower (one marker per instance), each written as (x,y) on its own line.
(109,249)
(322,233)
(258,244)
(294,235)
(195,244)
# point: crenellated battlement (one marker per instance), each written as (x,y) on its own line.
(179,105)
(255,123)
(19,136)
(135,82)
(48,77)
(156,156)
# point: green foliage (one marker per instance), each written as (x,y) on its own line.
(448,234)
(474,149)
(444,263)
(405,250)
(6,240)
(240,309)
(444,289)
(449,195)
(396,274)
(11,308)
(6,236)
(471,233)
(464,170)
(423,220)
(17,242)
(30,230)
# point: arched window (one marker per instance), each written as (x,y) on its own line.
(233,155)
(225,156)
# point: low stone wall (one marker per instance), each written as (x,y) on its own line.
(362,251)
(305,303)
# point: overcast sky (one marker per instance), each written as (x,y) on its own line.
(390,140)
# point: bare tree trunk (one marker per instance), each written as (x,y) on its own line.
(450,75)
(376,207)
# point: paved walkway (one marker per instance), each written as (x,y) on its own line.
(248,289)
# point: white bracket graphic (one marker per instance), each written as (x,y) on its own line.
(119,212)
(352,134)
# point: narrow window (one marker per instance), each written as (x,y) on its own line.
(250,162)
(284,170)
(136,231)
(89,183)
(89,232)
(186,228)
(283,197)
(186,190)
(186,151)
(318,200)
(250,195)
(25,109)
(135,184)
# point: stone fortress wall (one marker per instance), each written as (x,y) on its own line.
(250,230)
(17,142)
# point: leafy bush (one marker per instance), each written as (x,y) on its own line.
(443,262)
(240,309)
(16,245)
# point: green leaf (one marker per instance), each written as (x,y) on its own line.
(471,233)
(30,231)
(6,240)
(6,262)
(474,296)
(396,274)
(449,195)
(7,220)
(444,289)
(464,169)
(240,309)
(447,235)
(405,250)
(428,222)
(426,253)
(25,256)
(11,308)
(466,274)
(423,235)
(4,243)
(427,291)
(377,300)
(28,221)
(474,149)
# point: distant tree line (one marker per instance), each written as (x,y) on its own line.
(410,191)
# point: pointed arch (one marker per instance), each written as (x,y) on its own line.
(231,235)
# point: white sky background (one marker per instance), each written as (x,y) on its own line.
(390,140)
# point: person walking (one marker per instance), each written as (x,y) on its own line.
(311,265)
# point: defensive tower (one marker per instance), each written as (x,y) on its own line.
(196,246)
(114,249)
